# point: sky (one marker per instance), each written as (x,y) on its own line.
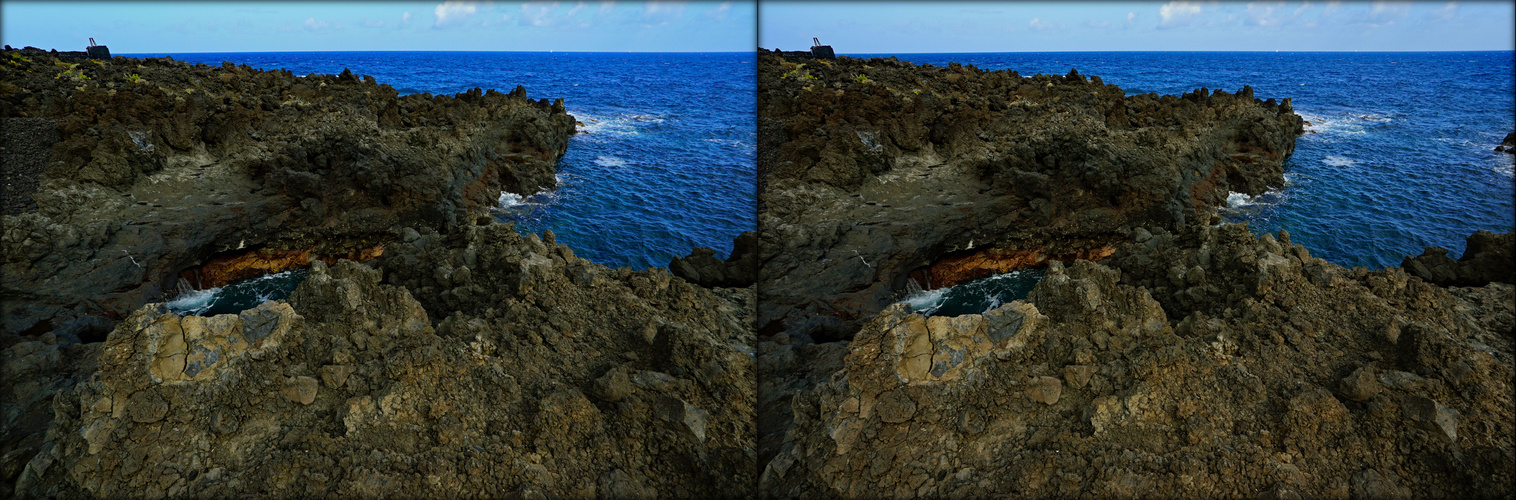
(923,27)
(184,27)
(849,26)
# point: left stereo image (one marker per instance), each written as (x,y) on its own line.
(378,250)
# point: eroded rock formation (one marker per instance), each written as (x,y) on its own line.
(1196,361)
(872,169)
(153,166)
(1206,363)
(462,360)
(530,370)
(740,269)
(1487,257)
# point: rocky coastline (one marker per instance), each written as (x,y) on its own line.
(872,171)
(431,351)
(1163,355)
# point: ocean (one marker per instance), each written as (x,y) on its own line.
(1399,154)
(666,163)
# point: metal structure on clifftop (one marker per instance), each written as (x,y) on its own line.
(97,51)
(818,51)
(92,52)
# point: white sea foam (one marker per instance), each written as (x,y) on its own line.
(610,161)
(1338,161)
(1341,125)
(1238,200)
(619,124)
(1508,169)
(732,143)
(926,301)
(193,302)
(508,200)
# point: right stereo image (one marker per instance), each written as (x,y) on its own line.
(1135,250)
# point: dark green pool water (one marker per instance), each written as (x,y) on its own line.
(977,296)
(239,296)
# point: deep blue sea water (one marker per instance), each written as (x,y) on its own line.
(667,162)
(1403,151)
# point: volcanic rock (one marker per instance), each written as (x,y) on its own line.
(464,360)
(1488,257)
(874,172)
(137,170)
(543,386)
(1257,379)
(739,270)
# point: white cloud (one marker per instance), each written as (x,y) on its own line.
(1303,7)
(719,13)
(661,13)
(1388,11)
(313,25)
(1038,24)
(1176,14)
(537,13)
(405,18)
(1446,12)
(373,23)
(1262,14)
(1130,17)
(453,13)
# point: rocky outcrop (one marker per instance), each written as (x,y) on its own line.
(702,268)
(870,170)
(1206,362)
(1487,257)
(477,363)
(1507,145)
(152,167)
(463,360)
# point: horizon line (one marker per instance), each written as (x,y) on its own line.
(470,51)
(1181,51)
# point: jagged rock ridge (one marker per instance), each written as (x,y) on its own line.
(159,165)
(523,369)
(872,169)
(465,360)
(1206,363)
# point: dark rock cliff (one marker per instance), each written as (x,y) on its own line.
(155,166)
(463,360)
(478,363)
(869,170)
(1205,363)
(1195,360)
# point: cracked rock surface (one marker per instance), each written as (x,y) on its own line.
(575,380)
(1206,363)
